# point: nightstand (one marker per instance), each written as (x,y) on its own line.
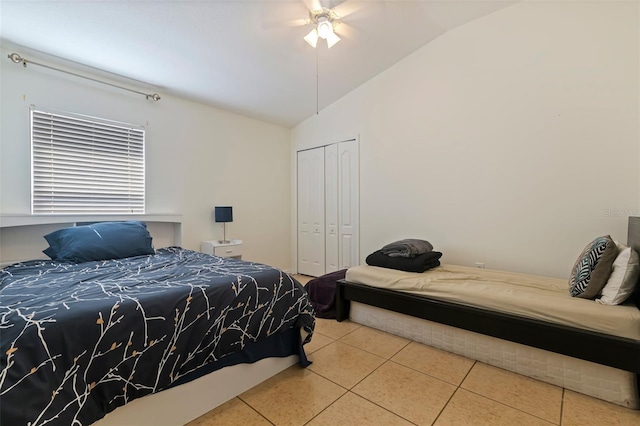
(231,249)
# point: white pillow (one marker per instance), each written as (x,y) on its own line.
(623,278)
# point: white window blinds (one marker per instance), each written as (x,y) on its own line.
(84,165)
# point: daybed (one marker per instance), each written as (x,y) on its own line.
(81,339)
(587,347)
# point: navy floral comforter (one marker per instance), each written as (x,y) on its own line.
(79,340)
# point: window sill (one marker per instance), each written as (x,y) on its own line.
(10,220)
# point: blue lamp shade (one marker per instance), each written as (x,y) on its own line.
(224,214)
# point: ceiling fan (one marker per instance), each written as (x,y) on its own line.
(326,20)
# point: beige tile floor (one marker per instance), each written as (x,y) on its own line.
(362,376)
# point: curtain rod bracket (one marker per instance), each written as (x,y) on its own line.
(15,58)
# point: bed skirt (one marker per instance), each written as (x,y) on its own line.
(607,383)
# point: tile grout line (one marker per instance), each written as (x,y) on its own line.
(337,399)
(445,406)
(328,337)
(259,413)
(373,402)
(458,387)
(352,331)
(338,338)
(369,352)
(364,378)
(562,406)
(475,361)
(378,405)
(408,366)
(323,335)
(325,408)
(430,375)
(389,359)
(342,386)
(363,350)
(328,379)
(507,405)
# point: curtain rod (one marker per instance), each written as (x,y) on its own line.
(15,58)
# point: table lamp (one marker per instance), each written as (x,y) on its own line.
(224,215)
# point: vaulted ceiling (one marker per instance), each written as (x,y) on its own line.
(243,56)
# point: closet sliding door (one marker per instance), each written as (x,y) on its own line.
(328,208)
(349,203)
(332,254)
(311,235)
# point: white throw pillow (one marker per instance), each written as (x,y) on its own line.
(623,278)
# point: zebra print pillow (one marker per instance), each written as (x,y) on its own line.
(593,267)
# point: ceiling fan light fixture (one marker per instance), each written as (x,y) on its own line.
(325,21)
(312,38)
(325,28)
(332,39)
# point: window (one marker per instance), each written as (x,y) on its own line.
(85,165)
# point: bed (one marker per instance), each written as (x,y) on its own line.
(93,336)
(601,363)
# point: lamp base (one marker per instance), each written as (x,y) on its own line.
(224,235)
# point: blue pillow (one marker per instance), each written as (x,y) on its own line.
(99,241)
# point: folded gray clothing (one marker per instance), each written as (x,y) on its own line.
(420,263)
(409,247)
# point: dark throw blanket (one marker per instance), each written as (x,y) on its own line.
(419,263)
(322,293)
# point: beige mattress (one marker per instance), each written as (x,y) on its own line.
(531,296)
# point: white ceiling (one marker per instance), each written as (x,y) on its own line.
(243,56)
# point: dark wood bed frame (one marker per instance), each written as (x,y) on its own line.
(617,352)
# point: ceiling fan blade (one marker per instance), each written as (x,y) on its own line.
(289,23)
(348,8)
(282,15)
(312,4)
(345,31)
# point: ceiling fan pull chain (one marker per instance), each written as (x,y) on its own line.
(317,85)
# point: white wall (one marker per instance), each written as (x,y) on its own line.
(512,140)
(197,157)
